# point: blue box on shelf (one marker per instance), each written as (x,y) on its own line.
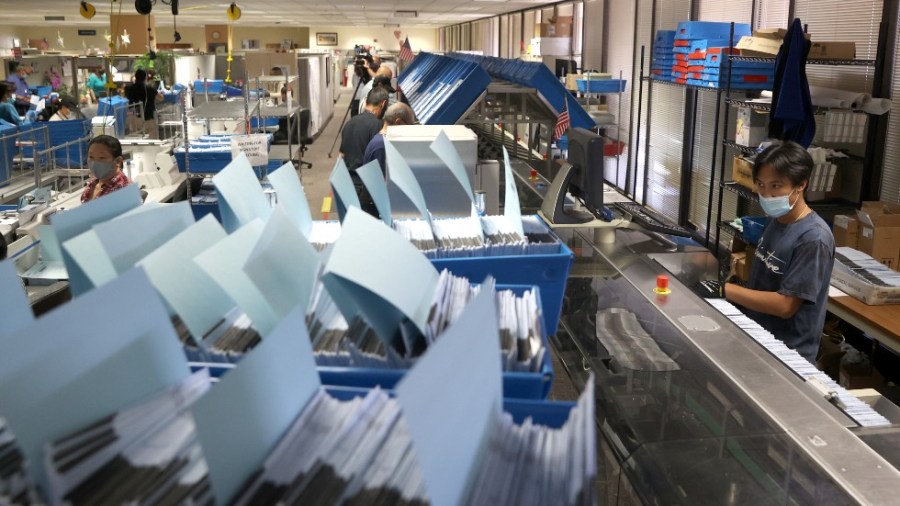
(710,30)
(704,44)
(74,131)
(664,37)
(753,228)
(601,85)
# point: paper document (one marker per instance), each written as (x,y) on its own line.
(290,194)
(241,198)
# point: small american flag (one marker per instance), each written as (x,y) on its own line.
(562,122)
(406,53)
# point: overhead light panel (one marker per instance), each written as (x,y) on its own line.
(54,18)
(392,25)
(406,14)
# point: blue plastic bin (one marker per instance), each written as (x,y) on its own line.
(601,85)
(553,414)
(753,228)
(7,152)
(209,86)
(115,106)
(710,30)
(548,272)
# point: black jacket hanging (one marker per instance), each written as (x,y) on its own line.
(792,117)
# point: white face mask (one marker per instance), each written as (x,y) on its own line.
(776,207)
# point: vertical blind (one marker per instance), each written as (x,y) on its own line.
(620,58)
(890,181)
(666,122)
(772,13)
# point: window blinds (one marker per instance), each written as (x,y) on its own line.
(890,180)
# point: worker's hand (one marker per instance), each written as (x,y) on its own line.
(710,289)
(30,116)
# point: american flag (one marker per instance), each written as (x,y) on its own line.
(406,53)
(562,122)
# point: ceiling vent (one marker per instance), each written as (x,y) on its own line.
(54,18)
(406,14)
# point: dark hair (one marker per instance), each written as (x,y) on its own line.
(110,142)
(376,96)
(6,87)
(140,75)
(788,159)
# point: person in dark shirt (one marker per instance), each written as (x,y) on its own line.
(139,92)
(787,293)
(397,114)
(361,128)
(356,136)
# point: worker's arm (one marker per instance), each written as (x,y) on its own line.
(771,303)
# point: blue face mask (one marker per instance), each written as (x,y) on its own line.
(776,207)
(11,100)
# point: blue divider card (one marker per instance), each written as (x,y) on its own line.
(444,149)
(224,262)
(291,195)
(189,291)
(452,397)
(241,198)
(511,208)
(130,237)
(90,256)
(400,173)
(374,270)
(15,312)
(373,178)
(345,195)
(71,367)
(283,265)
(242,418)
(76,221)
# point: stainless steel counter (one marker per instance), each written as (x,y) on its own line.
(714,418)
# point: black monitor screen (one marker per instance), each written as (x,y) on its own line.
(586,158)
(565,67)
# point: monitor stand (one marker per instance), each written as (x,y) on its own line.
(554,213)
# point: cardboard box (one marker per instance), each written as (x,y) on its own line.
(742,172)
(770,33)
(832,51)
(561,26)
(751,127)
(572,81)
(846,231)
(853,376)
(856,274)
(759,46)
(879,232)
(740,265)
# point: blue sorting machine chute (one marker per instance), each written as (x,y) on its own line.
(534,75)
(441,89)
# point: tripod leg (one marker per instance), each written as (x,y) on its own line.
(341,128)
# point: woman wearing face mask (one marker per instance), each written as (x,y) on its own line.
(8,110)
(105,163)
(788,287)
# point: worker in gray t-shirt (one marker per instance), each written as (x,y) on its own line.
(791,271)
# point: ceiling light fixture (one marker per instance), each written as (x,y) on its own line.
(233,12)
(87,10)
(143,7)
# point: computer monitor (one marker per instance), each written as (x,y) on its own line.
(565,67)
(582,176)
(586,158)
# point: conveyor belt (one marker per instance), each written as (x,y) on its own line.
(859,411)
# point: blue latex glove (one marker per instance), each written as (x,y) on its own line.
(30,116)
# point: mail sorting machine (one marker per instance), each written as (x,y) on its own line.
(696,403)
